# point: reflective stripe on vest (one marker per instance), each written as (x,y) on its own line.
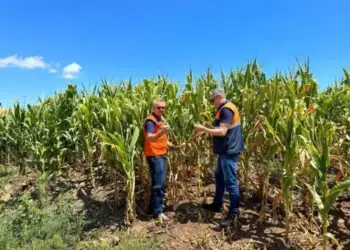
(236,120)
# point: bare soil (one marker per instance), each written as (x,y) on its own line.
(191,227)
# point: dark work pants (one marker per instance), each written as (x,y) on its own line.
(157,166)
(226,177)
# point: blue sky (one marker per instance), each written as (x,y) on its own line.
(44,45)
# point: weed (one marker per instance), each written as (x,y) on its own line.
(26,226)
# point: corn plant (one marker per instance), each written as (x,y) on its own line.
(85,117)
(123,146)
(290,126)
(320,145)
(4,141)
(38,141)
(17,136)
(270,118)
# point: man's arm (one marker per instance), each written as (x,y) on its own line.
(226,117)
(217,131)
(149,127)
(153,136)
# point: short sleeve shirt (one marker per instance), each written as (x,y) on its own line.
(150,125)
(226,116)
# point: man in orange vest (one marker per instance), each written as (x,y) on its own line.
(227,144)
(155,149)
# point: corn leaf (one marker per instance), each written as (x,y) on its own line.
(316,197)
(334,192)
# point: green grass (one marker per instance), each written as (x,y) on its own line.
(29,224)
(26,225)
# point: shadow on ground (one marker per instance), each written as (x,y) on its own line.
(101,211)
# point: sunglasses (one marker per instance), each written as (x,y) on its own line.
(160,107)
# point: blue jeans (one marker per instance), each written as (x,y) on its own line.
(157,166)
(226,176)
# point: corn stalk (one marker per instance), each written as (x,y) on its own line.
(123,145)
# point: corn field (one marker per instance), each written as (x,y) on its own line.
(294,133)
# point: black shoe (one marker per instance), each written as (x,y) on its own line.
(212,207)
(231,220)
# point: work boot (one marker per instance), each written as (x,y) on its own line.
(231,220)
(212,207)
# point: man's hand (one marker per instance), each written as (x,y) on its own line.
(164,128)
(181,145)
(217,131)
(199,128)
(175,146)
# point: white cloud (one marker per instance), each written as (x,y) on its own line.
(30,62)
(71,71)
(52,70)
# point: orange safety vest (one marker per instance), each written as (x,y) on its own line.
(236,119)
(160,145)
